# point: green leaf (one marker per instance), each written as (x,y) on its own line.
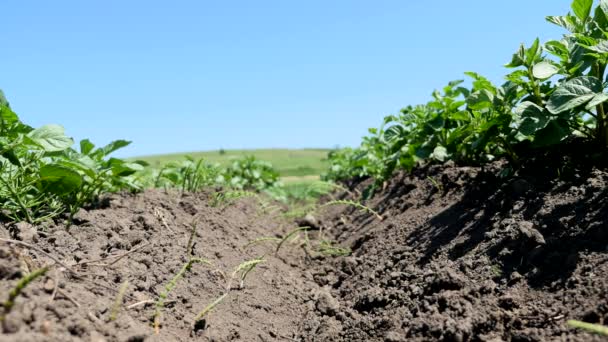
(440,153)
(12,157)
(534,117)
(533,52)
(86,146)
(3,101)
(480,99)
(59,180)
(51,138)
(518,58)
(596,100)
(120,168)
(7,116)
(544,70)
(600,46)
(573,93)
(582,8)
(113,146)
(553,133)
(563,21)
(557,48)
(604,6)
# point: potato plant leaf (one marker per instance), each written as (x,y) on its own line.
(573,93)
(51,138)
(86,146)
(544,70)
(554,132)
(59,180)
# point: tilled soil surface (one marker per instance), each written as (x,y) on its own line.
(155,228)
(461,254)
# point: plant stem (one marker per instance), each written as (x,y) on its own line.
(602,134)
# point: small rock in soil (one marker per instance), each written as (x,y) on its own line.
(326,304)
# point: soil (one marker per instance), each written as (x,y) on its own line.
(461,254)
(155,226)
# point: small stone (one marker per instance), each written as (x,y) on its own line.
(326,304)
(49,285)
(97,337)
(394,336)
(527,229)
(26,232)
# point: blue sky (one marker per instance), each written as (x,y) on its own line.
(199,75)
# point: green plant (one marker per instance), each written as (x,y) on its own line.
(189,175)
(41,176)
(353,204)
(327,248)
(160,302)
(287,236)
(250,173)
(223,197)
(553,92)
(118,302)
(208,308)
(590,327)
(245,268)
(18,289)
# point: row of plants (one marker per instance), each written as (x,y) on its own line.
(189,175)
(554,91)
(43,176)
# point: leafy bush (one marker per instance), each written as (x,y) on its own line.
(41,176)
(554,92)
(252,174)
(188,175)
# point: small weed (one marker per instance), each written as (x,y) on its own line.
(208,308)
(18,289)
(354,204)
(261,240)
(328,249)
(244,268)
(230,196)
(589,327)
(118,301)
(436,184)
(190,245)
(290,234)
(160,303)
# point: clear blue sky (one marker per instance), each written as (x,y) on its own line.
(198,75)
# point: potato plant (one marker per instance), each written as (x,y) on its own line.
(554,91)
(42,176)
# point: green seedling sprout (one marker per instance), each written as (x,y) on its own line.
(209,307)
(353,204)
(590,327)
(18,289)
(290,234)
(326,248)
(261,240)
(244,269)
(160,303)
(118,302)
(436,184)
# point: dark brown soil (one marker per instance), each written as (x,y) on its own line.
(269,307)
(461,255)
(464,255)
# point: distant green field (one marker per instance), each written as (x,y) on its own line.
(291,164)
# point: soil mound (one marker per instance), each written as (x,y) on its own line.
(461,254)
(465,255)
(152,232)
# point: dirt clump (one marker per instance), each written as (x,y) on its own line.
(467,254)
